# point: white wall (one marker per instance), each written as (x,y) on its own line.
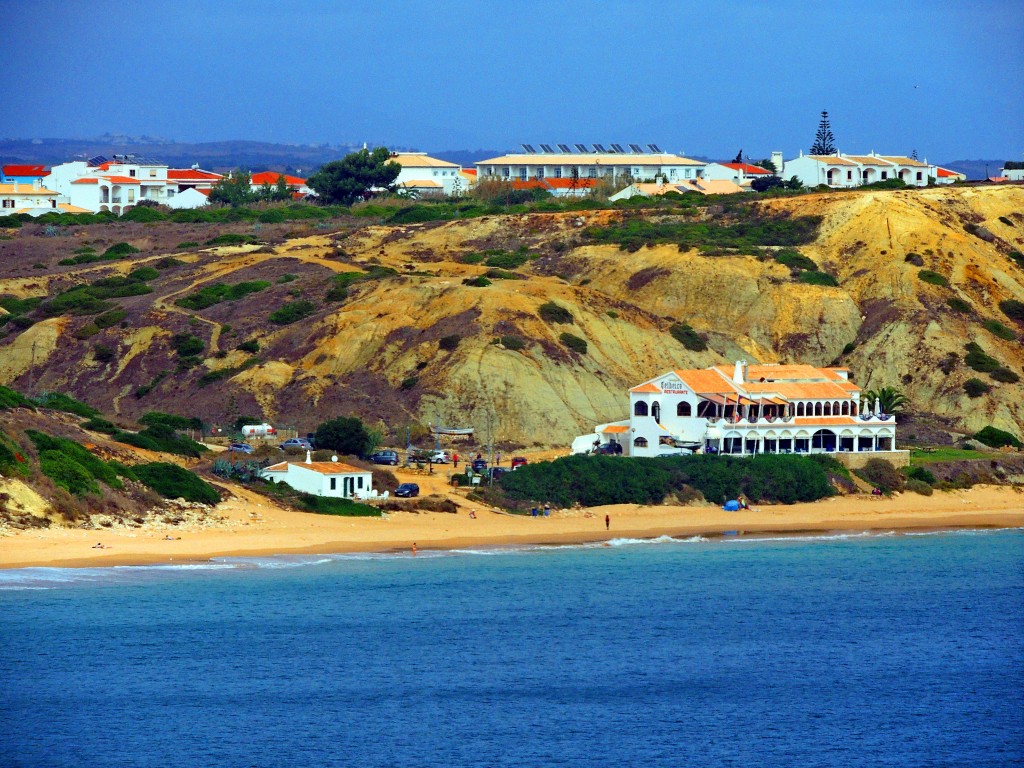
(318,484)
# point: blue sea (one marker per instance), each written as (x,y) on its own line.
(846,650)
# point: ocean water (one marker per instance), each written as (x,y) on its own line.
(874,650)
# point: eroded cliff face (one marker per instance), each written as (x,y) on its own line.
(379,352)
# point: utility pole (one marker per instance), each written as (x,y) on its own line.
(32,371)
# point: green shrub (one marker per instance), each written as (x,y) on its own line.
(513,342)
(11,399)
(575,343)
(553,313)
(977,358)
(1013,309)
(882,474)
(933,278)
(998,329)
(142,274)
(918,486)
(997,438)
(958,305)
(226,373)
(241,290)
(749,228)
(612,314)
(58,401)
(976,387)
(118,250)
(921,474)
(110,319)
(476,282)
(408,383)
(102,353)
(67,473)
(94,467)
(98,424)
(86,331)
(186,245)
(171,420)
(186,344)
(688,337)
(1005,375)
(160,437)
(818,278)
(292,312)
(1016,257)
(598,480)
(473,258)
(507,260)
(795,260)
(173,482)
(287,278)
(330,505)
(449,343)
(252,346)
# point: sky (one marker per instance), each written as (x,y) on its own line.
(699,78)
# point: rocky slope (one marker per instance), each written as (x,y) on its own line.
(420,345)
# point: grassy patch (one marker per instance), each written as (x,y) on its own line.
(748,229)
(57,401)
(688,337)
(173,482)
(553,313)
(11,399)
(959,305)
(998,329)
(978,359)
(936,455)
(813,277)
(997,438)
(575,343)
(932,278)
(291,312)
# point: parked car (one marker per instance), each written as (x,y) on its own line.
(407,490)
(519,461)
(440,457)
(479,465)
(297,442)
(497,472)
(609,449)
(385,457)
(240,448)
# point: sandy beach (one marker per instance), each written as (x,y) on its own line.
(251,526)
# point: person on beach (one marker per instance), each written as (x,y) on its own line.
(455,460)
(414,549)
(497,459)
(607,522)
(547,509)
(533,511)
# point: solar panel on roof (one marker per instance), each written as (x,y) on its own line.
(581,147)
(636,148)
(564,148)
(654,148)
(617,148)
(98,160)
(547,148)
(598,147)
(528,149)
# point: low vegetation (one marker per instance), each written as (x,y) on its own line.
(597,480)
(688,337)
(209,295)
(554,313)
(932,278)
(997,438)
(292,312)
(174,482)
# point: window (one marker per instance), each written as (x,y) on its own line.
(522,173)
(170,193)
(592,173)
(8,203)
(885,174)
(152,173)
(334,483)
(540,172)
(506,172)
(640,442)
(131,172)
(131,195)
(849,175)
(359,483)
(656,411)
(558,172)
(686,173)
(640,409)
(435,173)
(53,203)
(684,409)
(919,176)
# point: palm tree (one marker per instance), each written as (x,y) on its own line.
(891,399)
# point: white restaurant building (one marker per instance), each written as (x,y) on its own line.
(615,166)
(752,409)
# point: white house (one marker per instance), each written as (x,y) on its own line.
(110,185)
(322,478)
(842,170)
(190,197)
(296,184)
(946,176)
(737,173)
(425,174)
(1013,174)
(655,189)
(752,409)
(25,198)
(617,166)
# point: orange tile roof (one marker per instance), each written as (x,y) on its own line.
(645,388)
(946,173)
(192,174)
(86,180)
(24,189)
(123,179)
(69,208)
(747,168)
(270,177)
(820,391)
(323,467)
(24,170)
(565,183)
(900,160)
(706,381)
(615,429)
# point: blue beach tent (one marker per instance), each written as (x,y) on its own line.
(732,506)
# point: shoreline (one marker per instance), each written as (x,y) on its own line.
(252,528)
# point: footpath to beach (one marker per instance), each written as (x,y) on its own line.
(252,526)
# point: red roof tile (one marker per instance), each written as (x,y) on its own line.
(943,172)
(24,170)
(271,177)
(568,183)
(747,168)
(86,180)
(192,174)
(123,180)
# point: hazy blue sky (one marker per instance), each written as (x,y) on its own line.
(706,78)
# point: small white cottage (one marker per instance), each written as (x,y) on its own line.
(322,478)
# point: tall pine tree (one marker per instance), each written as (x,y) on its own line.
(823,139)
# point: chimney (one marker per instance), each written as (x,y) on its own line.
(737,372)
(309,458)
(778,162)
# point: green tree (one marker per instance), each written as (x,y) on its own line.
(235,189)
(891,399)
(355,176)
(346,435)
(824,141)
(768,165)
